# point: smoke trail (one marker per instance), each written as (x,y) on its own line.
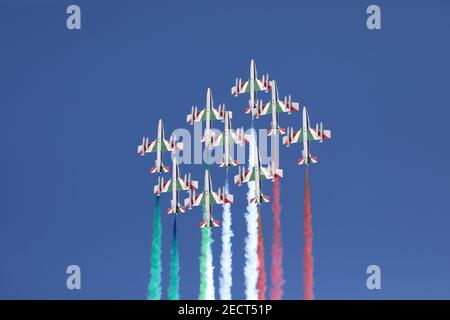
(154,286)
(226,256)
(276,292)
(261,265)
(207,290)
(210,289)
(276,273)
(203,257)
(206,267)
(308,257)
(251,241)
(173,292)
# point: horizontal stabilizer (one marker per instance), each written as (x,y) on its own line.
(231,162)
(215,223)
(160,169)
(154,170)
(179,209)
(274,132)
(311,159)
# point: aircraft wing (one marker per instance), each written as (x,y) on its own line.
(216,114)
(245,87)
(150,147)
(233,138)
(297,136)
(141,149)
(199,200)
(280,106)
(190,184)
(312,135)
(168,185)
(239,137)
(262,86)
(247,175)
(265,173)
(240,89)
(326,134)
(217,198)
(194,116)
(265,109)
(218,141)
(168,146)
(164,188)
(293,137)
(287,106)
(195,202)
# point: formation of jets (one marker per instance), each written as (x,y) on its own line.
(256,172)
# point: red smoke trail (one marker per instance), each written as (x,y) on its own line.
(276,273)
(276,292)
(308,257)
(261,285)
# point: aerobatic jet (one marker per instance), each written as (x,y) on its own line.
(274,107)
(251,86)
(174,185)
(228,138)
(208,114)
(306,134)
(159,146)
(207,199)
(256,174)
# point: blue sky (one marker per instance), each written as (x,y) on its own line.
(75,104)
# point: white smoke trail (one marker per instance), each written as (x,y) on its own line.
(210,290)
(251,241)
(226,279)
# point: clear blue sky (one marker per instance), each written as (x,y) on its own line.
(75,104)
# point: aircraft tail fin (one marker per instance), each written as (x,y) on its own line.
(311,159)
(160,168)
(212,223)
(274,132)
(215,223)
(179,209)
(231,162)
(263,198)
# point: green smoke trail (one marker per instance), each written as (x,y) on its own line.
(154,286)
(203,262)
(173,291)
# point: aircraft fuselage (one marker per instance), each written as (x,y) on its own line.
(305,130)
